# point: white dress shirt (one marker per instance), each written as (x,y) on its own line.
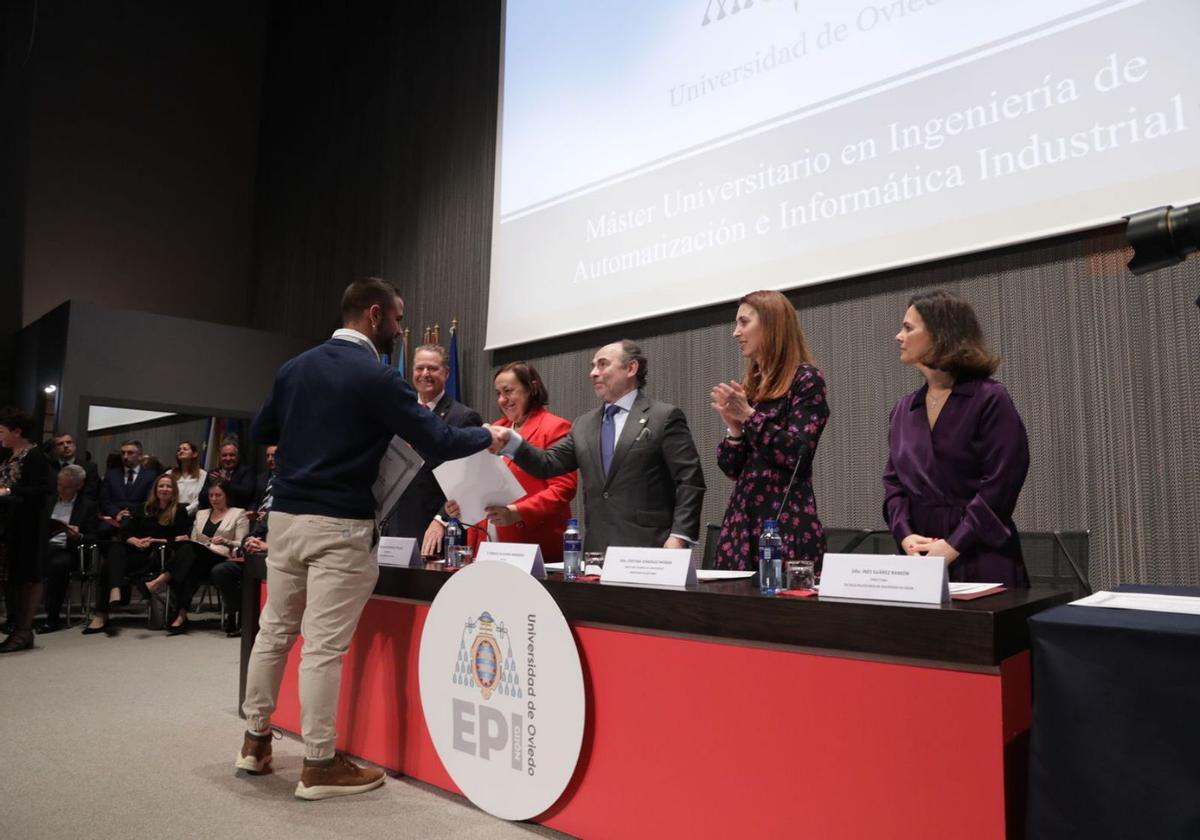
(355,337)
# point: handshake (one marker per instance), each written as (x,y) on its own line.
(500,437)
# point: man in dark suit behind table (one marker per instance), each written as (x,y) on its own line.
(641,476)
(414,515)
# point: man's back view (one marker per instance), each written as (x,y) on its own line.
(332,411)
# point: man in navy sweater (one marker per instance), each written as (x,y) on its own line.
(332,412)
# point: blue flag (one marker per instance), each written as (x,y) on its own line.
(453,388)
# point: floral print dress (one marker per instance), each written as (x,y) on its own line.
(780,437)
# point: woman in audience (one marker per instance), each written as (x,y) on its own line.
(540,516)
(216,531)
(161,521)
(26,482)
(189,476)
(957,448)
(774,418)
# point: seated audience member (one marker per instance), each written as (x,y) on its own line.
(217,530)
(239,476)
(65,454)
(189,476)
(227,575)
(125,488)
(160,521)
(540,516)
(263,485)
(415,511)
(25,482)
(72,519)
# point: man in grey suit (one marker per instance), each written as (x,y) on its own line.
(641,476)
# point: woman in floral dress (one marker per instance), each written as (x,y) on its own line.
(774,418)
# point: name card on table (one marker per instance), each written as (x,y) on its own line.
(917,579)
(399,551)
(657,566)
(525,556)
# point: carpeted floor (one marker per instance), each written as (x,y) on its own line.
(135,736)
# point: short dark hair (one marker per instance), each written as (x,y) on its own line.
(630,352)
(136,443)
(531,381)
(225,486)
(433,348)
(361,295)
(14,418)
(957,345)
(57,434)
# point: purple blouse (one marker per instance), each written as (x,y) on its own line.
(779,440)
(960,480)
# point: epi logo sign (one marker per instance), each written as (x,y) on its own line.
(502,689)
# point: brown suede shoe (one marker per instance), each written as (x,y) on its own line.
(255,757)
(336,777)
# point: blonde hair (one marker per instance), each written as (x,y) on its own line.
(165,515)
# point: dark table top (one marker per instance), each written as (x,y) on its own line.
(976,635)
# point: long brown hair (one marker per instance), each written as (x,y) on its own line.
(165,515)
(783,347)
(193,469)
(956,339)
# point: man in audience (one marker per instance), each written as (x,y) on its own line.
(641,476)
(125,488)
(72,518)
(239,476)
(64,454)
(264,481)
(333,410)
(414,515)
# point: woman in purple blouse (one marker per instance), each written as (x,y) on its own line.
(958,453)
(775,418)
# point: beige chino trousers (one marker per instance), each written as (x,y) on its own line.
(320,573)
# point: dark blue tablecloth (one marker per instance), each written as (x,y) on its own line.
(1115,742)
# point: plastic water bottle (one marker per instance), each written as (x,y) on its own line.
(770,559)
(455,535)
(572,551)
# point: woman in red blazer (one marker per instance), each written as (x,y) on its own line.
(541,516)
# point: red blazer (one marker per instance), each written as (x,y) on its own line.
(546,506)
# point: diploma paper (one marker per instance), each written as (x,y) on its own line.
(1153,602)
(399,467)
(478,482)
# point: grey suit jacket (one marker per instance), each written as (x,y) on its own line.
(654,488)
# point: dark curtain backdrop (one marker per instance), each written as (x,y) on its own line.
(377,157)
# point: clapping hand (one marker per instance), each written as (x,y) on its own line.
(729,401)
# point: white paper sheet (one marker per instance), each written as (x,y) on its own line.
(721,574)
(399,467)
(1181,604)
(478,482)
(971,588)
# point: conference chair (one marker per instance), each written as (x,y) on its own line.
(1057,559)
